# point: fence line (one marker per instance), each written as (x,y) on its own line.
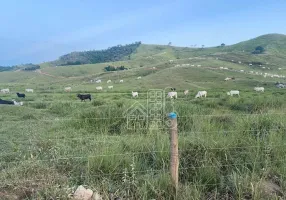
(137,153)
(136,135)
(109,118)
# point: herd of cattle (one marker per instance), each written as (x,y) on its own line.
(171,94)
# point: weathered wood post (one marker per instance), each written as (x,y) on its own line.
(174,153)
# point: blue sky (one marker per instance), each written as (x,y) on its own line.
(36,31)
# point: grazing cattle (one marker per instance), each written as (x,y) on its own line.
(199,65)
(21,95)
(98,81)
(98,88)
(259,89)
(173,89)
(279,68)
(5,91)
(171,61)
(227,79)
(121,81)
(280,85)
(225,68)
(201,94)
(110,87)
(109,81)
(233,92)
(68,89)
(173,94)
(134,94)
(83,97)
(139,77)
(250,64)
(6,102)
(186,92)
(17,103)
(29,90)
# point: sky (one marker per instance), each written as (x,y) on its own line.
(35,31)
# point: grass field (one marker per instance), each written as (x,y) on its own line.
(229,147)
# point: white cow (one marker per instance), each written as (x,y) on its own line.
(17,103)
(259,89)
(110,87)
(68,89)
(201,94)
(227,79)
(29,90)
(5,91)
(233,92)
(279,68)
(139,77)
(173,94)
(134,94)
(121,81)
(98,88)
(186,92)
(109,81)
(98,81)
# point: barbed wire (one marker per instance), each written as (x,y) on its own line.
(124,117)
(138,153)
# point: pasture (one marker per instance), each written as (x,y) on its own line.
(229,147)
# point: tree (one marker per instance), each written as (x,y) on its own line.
(203,46)
(170,43)
(258,50)
(222,45)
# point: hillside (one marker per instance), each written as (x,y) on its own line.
(115,53)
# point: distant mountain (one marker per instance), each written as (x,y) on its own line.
(112,54)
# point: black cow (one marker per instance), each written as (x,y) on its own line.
(6,102)
(173,89)
(21,95)
(83,97)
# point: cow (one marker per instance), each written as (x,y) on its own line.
(83,97)
(201,94)
(20,95)
(173,94)
(98,88)
(29,90)
(233,92)
(17,103)
(68,89)
(173,89)
(139,77)
(259,89)
(134,94)
(227,79)
(5,102)
(5,91)
(110,87)
(186,92)
(121,81)
(98,81)
(109,81)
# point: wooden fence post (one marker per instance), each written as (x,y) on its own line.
(174,153)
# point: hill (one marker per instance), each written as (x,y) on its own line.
(273,44)
(115,53)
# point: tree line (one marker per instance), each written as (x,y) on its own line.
(112,54)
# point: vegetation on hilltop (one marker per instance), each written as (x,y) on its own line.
(3,68)
(116,53)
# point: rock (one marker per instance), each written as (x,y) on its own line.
(82,194)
